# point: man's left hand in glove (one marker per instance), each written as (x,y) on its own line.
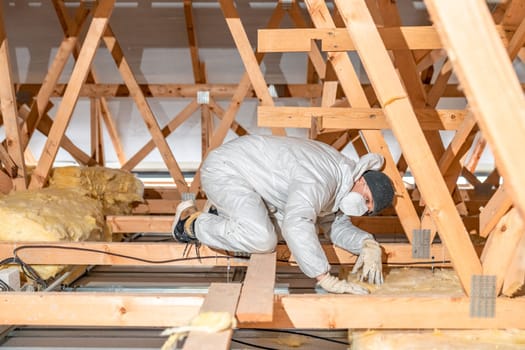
(370,261)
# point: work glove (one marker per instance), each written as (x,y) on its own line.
(333,284)
(370,261)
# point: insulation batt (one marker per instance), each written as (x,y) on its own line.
(72,208)
(49,215)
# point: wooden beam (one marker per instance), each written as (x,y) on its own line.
(501,246)
(240,93)
(217,91)
(500,119)
(374,139)
(353,118)
(332,311)
(291,311)
(145,110)
(9,109)
(79,74)
(68,26)
(40,104)
(337,39)
(98,309)
(199,74)
(221,297)
(403,120)
(493,211)
(315,55)
(248,57)
(171,254)
(515,276)
(256,300)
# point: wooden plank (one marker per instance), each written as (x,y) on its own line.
(221,297)
(374,139)
(500,119)
(291,311)
(171,254)
(218,91)
(65,110)
(353,118)
(6,184)
(162,206)
(334,311)
(144,108)
(248,57)
(501,246)
(10,113)
(403,120)
(298,40)
(494,210)
(515,276)
(256,300)
(98,309)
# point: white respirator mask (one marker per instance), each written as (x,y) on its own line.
(353,204)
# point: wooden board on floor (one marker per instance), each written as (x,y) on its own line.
(256,300)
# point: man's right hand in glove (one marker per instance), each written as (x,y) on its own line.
(333,284)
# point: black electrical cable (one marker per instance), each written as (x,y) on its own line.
(5,287)
(297,333)
(149,261)
(252,345)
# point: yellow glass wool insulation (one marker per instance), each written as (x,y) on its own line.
(50,214)
(512,339)
(115,188)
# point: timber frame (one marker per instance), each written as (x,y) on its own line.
(465,39)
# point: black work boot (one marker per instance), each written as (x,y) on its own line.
(184,222)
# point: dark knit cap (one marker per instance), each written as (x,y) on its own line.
(381,188)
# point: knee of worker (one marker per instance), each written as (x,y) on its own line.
(259,237)
(236,234)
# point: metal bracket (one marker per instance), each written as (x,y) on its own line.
(203,97)
(186,196)
(286,4)
(273,91)
(421,244)
(483,296)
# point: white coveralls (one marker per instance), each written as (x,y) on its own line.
(295,181)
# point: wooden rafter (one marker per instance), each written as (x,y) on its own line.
(500,119)
(142,104)
(199,71)
(501,247)
(248,57)
(237,98)
(40,104)
(10,113)
(404,125)
(65,110)
(374,139)
(68,26)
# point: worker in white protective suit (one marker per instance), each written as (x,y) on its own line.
(254,181)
